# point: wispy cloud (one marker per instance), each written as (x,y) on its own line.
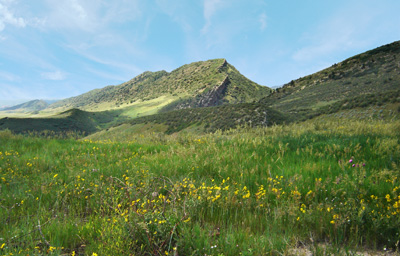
(327,40)
(7,16)
(347,29)
(209,10)
(262,19)
(55,75)
(8,76)
(70,14)
(180,11)
(11,92)
(84,51)
(89,15)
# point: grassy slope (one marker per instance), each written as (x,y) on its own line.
(188,82)
(203,120)
(257,191)
(375,71)
(214,118)
(368,79)
(31,106)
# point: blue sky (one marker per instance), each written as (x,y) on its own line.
(56,49)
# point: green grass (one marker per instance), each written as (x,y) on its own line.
(150,107)
(261,191)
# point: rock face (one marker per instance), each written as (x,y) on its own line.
(215,95)
(212,97)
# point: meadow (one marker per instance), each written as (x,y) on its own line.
(330,186)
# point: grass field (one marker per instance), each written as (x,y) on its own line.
(261,191)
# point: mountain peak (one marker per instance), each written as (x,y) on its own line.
(198,84)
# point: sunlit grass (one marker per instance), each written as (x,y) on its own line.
(247,191)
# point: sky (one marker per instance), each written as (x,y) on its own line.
(57,49)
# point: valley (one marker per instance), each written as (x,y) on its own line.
(203,161)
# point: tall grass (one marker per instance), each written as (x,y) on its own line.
(263,191)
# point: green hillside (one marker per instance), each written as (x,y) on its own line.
(200,120)
(30,106)
(375,71)
(200,84)
(212,95)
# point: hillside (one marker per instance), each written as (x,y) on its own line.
(211,95)
(363,84)
(200,84)
(73,120)
(199,120)
(30,106)
(375,71)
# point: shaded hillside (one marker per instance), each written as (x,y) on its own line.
(199,84)
(375,71)
(211,119)
(30,106)
(71,120)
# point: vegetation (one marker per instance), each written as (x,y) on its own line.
(314,166)
(241,192)
(73,120)
(30,106)
(362,101)
(191,82)
(175,100)
(212,119)
(208,119)
(375,71)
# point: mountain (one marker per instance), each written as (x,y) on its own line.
(210,95)
(30,106)
(370,73)
(368,80)
(199,84)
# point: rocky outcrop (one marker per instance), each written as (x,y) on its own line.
(223,65)
(215,96)
(212,97)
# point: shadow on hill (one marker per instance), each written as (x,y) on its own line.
(71,120)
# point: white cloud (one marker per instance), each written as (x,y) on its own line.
(70,14)
(8,76)
(179,11)
(353,27)
(95,56)
(89,15)
(210,8)
(7,16)
(56,75)
(10,92)
(262,19)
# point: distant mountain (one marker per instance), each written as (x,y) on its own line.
(370,73)
(30,106)
(199,84)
